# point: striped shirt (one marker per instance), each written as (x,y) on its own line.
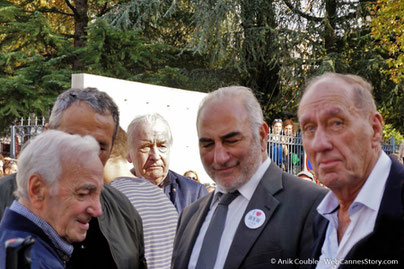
(159,218)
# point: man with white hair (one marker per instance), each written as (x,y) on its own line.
(361,220)
(150,142)
(258,216)
(58,192)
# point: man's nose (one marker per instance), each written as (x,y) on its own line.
(221,155)
(155,153)
(321,141)
(95,209)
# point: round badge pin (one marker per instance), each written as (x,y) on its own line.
(254,218)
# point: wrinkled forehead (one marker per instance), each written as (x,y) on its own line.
(153,130)
(326,92)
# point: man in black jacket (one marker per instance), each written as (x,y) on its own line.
(115,239)
(360,222)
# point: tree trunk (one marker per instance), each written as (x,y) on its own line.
(80,25)
(330,37)
(259,54)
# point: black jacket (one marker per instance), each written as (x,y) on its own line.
(386,242)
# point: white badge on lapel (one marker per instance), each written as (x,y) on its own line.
(254,218)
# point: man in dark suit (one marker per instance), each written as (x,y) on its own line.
(150,142)
(269,221)
(361,221)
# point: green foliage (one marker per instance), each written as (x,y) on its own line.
(121,54)
(270,46)
(389,131)
(32,72)
(388,31)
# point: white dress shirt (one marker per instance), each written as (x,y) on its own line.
(362,213)
(234,215)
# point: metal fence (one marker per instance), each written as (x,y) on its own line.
(22,131)
(288,153)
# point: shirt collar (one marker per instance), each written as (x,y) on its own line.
(58,242)
(248,189)
(371,192)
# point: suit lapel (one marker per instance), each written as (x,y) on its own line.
(192,228)
(264,200)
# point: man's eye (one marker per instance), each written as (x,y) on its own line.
(337,123)
(232,141)
(308,129)
(82,195)
(163,148)
(206,145)
(144,148)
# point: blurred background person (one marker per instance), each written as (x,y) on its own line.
(117,165)
(293,154)
(10,167)
(210,186)
(306,175)
(275,146)
(288,128)
(191,174)
(401,153)
(1,165)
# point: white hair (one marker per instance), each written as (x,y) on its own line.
(248,99)
(148,120)
(45,153)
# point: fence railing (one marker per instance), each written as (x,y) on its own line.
(288,153)
(22,131)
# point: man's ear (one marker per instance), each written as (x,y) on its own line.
(37,190)
(376,122)
(128,158)
(263,133)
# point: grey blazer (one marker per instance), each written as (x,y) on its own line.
(289,204)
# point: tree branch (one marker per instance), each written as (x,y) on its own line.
(300,13)
(103,10)
(71,7)
(55,10)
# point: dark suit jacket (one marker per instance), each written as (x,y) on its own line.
(386,242)
(289,204)
(183,191)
